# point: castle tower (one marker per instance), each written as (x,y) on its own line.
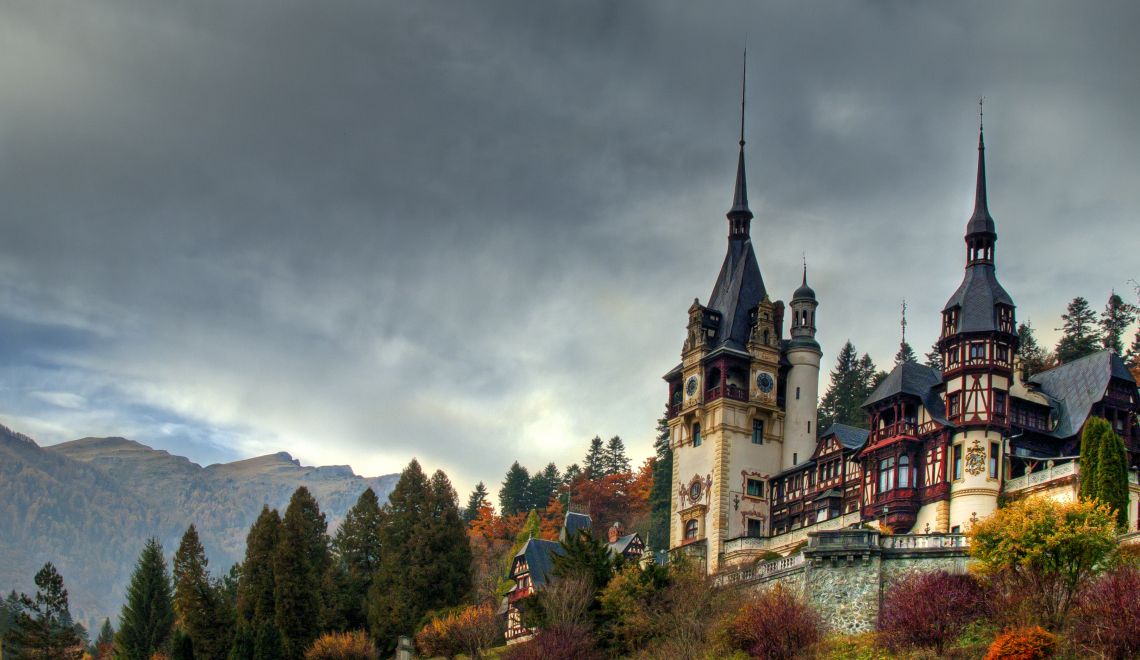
(804,354)
(978,343)
(727,398)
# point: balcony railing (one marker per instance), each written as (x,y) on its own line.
(895,430)
(759,571)
(923,541)
(730,392)
(1042,476)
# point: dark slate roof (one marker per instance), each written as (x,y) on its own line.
(917,380)
(851,437)
(981,222)
(1077,385)
(573,523)
(739,289)
(540,559)
(977,295)
(828,494)
(804,292)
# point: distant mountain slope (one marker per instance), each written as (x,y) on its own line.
(88,506)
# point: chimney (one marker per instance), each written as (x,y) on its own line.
(778,318)
(615,532)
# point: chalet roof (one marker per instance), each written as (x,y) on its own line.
(574,523)
(851,437)
(907,378)
(1077,385)
(619,546)
(738,290)
(539,556)
(827,494)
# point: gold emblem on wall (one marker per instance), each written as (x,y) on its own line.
(975,459)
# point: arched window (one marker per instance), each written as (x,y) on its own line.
(690,530)
(886,474)
(697,435)
(904,471)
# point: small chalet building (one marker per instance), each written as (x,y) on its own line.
(825,487)
(533,567)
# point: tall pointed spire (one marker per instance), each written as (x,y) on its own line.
(981,222)
(740,215)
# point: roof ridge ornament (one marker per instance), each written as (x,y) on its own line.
(740,215)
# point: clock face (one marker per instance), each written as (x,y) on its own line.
(764,382)
(691,386)
(695,491)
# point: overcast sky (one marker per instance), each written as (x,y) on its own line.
(469,231)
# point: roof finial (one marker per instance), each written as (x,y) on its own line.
(981,222)
(903,323)
(804,255)
(740,215)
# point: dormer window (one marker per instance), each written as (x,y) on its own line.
(949,321)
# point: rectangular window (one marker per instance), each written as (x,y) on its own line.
(977,351)
(755,488)
(956,529)
(957,462)
(795,458)
(809,427)
(696,435)
(755,528)
(999,403)
(995,452)
(797,394)
(1002,354)
(952,405)
(757,431)
(952,356)
(886,474)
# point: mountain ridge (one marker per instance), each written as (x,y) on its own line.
(88,505)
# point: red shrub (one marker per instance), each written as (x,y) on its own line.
(1023,644)
(930,609)
(1107,618)
(775,625)
(564,642)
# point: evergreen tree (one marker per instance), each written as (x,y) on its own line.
(1114,322)
(543,485)
(905,354)
(1034,359)
(475,500)
(1133,357)
(594,466)
(1078,333)
(105,642)
(199,605)
(584,555)
(148,616)
(357,549)
(268,643)
(614,459)
(1112,474)
(182,646)
(448,567)
(256,603)
(514,496)
(244,646)
(851,382)
(572,472)
(299,565)
(933,359)
(870,377)
(1091,438)
(661,489)
(399,583)
(42,626)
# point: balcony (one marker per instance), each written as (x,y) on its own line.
(899,429)
(1054,473)
(924,541)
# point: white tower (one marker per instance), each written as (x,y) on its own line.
(801,397)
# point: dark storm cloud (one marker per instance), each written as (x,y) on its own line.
(359,231)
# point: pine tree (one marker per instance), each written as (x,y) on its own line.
(662,488)
(594,465)
(852,381)
(394,606)
(147,618)
(299,564)
(449,567)
(1114,322)
(1078,334)
(933,359)
(1034,359)
(614,459)
(182,646)
(514,496)
(584,555)
(1112,477)
(244,646)
(474,501)
(572,472)
(543,485)
(105,642)
(905,354)
(1132,360)
(199,604)
(357,549)
(268,643)
(42,626)
(255,599)
(1091,438)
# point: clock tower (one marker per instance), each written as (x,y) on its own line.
(738,386)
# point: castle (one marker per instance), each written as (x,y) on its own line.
(753,473)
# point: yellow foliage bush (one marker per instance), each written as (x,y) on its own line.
(355,645)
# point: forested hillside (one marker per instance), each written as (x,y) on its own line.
(89,505)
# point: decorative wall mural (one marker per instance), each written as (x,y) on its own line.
(975,459)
